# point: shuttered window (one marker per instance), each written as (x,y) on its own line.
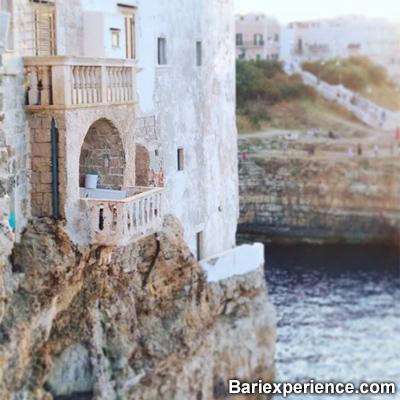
(44,33)
(40,33)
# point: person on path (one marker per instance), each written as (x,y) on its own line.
(359,150)
(350,153)
(397,136)
(376,150)
(244,156)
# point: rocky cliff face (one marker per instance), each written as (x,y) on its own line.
(139,322)
(316,199)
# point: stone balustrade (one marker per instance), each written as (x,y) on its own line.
(78,82)
(120,222)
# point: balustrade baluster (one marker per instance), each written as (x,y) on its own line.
(134,216)
(116,75)
(74,94)
(151,208)
(94,84)
(78,80)
(126,83)
(45,78)
(121,84)
(140,222)
(89,85)
(33,86)
(84,85)
(109,83)
(113,86)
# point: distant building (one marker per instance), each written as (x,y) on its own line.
(340,37)
(257,37)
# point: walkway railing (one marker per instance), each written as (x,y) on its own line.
(364,109)
(120,222)
(75,82)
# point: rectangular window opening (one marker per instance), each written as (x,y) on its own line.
(199,245)
(239,39)
(258,39)
(115,37)
(130,35)
(180,159)
(198,54)
(162,51)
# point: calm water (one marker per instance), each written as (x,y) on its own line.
(338,311)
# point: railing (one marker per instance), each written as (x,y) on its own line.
(364,109)
(120,222)
(250,43)
(66,81)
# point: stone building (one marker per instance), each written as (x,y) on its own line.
(257,37)
(131,92)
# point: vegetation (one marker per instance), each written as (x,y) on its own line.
(359,74)
(261,84)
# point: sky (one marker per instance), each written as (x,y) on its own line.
(298,10)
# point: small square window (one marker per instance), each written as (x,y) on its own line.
(162,51)
(180,159)
(198,54)
(115,37)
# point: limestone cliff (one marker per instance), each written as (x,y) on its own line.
(317,199)
(139,322)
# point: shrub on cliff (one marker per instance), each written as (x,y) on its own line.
(356,72)
(261,84)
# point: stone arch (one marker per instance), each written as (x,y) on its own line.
(142,166)
(102,153)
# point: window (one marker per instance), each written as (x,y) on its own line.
(198,54)
(199,245)
(258,39)
(258,56)
(162,51)
(276,37)
(40,33)
(180,159)
(239,39)
(115,37)
(130,35)
(129,14)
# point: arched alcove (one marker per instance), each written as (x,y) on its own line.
(142,166)
(103,154)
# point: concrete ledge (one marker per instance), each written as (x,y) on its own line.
(238,261)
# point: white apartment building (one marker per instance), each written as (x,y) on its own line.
(140,93)
(257,37)
(339,37)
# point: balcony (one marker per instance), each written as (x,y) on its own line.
(69,82)
(124,221)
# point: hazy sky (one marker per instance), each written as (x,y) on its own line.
(292,10)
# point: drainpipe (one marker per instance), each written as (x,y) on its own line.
(54,163)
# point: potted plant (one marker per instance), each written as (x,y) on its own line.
(91,180)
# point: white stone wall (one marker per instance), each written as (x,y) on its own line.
(192,107)
(14,143)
